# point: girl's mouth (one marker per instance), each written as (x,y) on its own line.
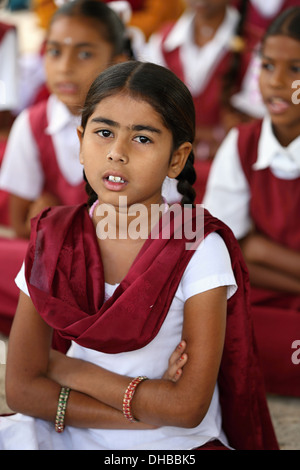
(277,105)
(114,182)
(115,179)
(67,88)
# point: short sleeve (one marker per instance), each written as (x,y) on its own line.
(209,268)
(21,172)
(227,193)
(21,281)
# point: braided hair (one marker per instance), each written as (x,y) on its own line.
(168,95)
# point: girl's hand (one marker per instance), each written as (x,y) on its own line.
(176,362)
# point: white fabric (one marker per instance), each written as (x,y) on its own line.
(268,8)
(249,99)
(228,194)
(9,71)
(209,267)
(198,63)
(21,171)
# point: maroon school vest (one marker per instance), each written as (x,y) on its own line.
(274,208)
(255,19)
(208,104)
(55,182)
(275,202)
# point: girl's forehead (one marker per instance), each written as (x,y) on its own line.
(127,108)
(282,47)
(73,29)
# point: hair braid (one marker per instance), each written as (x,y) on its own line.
(186,179)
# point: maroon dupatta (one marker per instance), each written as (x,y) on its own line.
(66,283)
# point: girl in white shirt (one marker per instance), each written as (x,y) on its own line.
(254,187)
(41,166)
(125,301)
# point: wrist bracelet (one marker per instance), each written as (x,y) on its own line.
(128,395)
(61,409)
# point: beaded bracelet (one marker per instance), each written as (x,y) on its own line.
(61,409)
(128,395)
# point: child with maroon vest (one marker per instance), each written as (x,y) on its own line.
(120,282)
(41,166)
(210,50)
(254,187)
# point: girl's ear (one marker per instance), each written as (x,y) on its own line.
(80,137)
(179,159)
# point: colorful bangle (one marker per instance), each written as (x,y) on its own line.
(61,409)
(128,395)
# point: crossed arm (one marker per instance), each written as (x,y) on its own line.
(271,266)
(34,376)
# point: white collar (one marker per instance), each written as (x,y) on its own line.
(284,161)
(59,116)
(183,29)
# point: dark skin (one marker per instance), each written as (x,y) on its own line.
(271,265)
(115,138)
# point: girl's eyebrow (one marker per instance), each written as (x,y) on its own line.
(264,56)
(78,45)
(135,127)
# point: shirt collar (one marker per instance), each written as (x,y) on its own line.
(269,148)
(182,31)
(59,116)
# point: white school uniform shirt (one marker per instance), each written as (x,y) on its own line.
(268,8)
(209,267)
(9,71)
(198,63)
(228,194)
(21,172)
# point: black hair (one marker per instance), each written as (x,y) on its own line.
(286,24)
(111,27)
(166,93)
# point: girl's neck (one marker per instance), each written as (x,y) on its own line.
(286,135)
(124,223)
(206,28)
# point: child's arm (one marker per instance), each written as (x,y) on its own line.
(30,391)
(99,397)
(166,402)
(22,211)
(271,265)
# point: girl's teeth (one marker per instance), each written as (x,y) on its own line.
(116,179)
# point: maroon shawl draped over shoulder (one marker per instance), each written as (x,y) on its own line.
(65,279)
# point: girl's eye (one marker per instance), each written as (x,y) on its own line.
(53,52)
(83,55)
(104,133)
(267,66)
(142,139)
(295,68)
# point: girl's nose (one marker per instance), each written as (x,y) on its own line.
(66,63)
(117,155)
(277,79)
